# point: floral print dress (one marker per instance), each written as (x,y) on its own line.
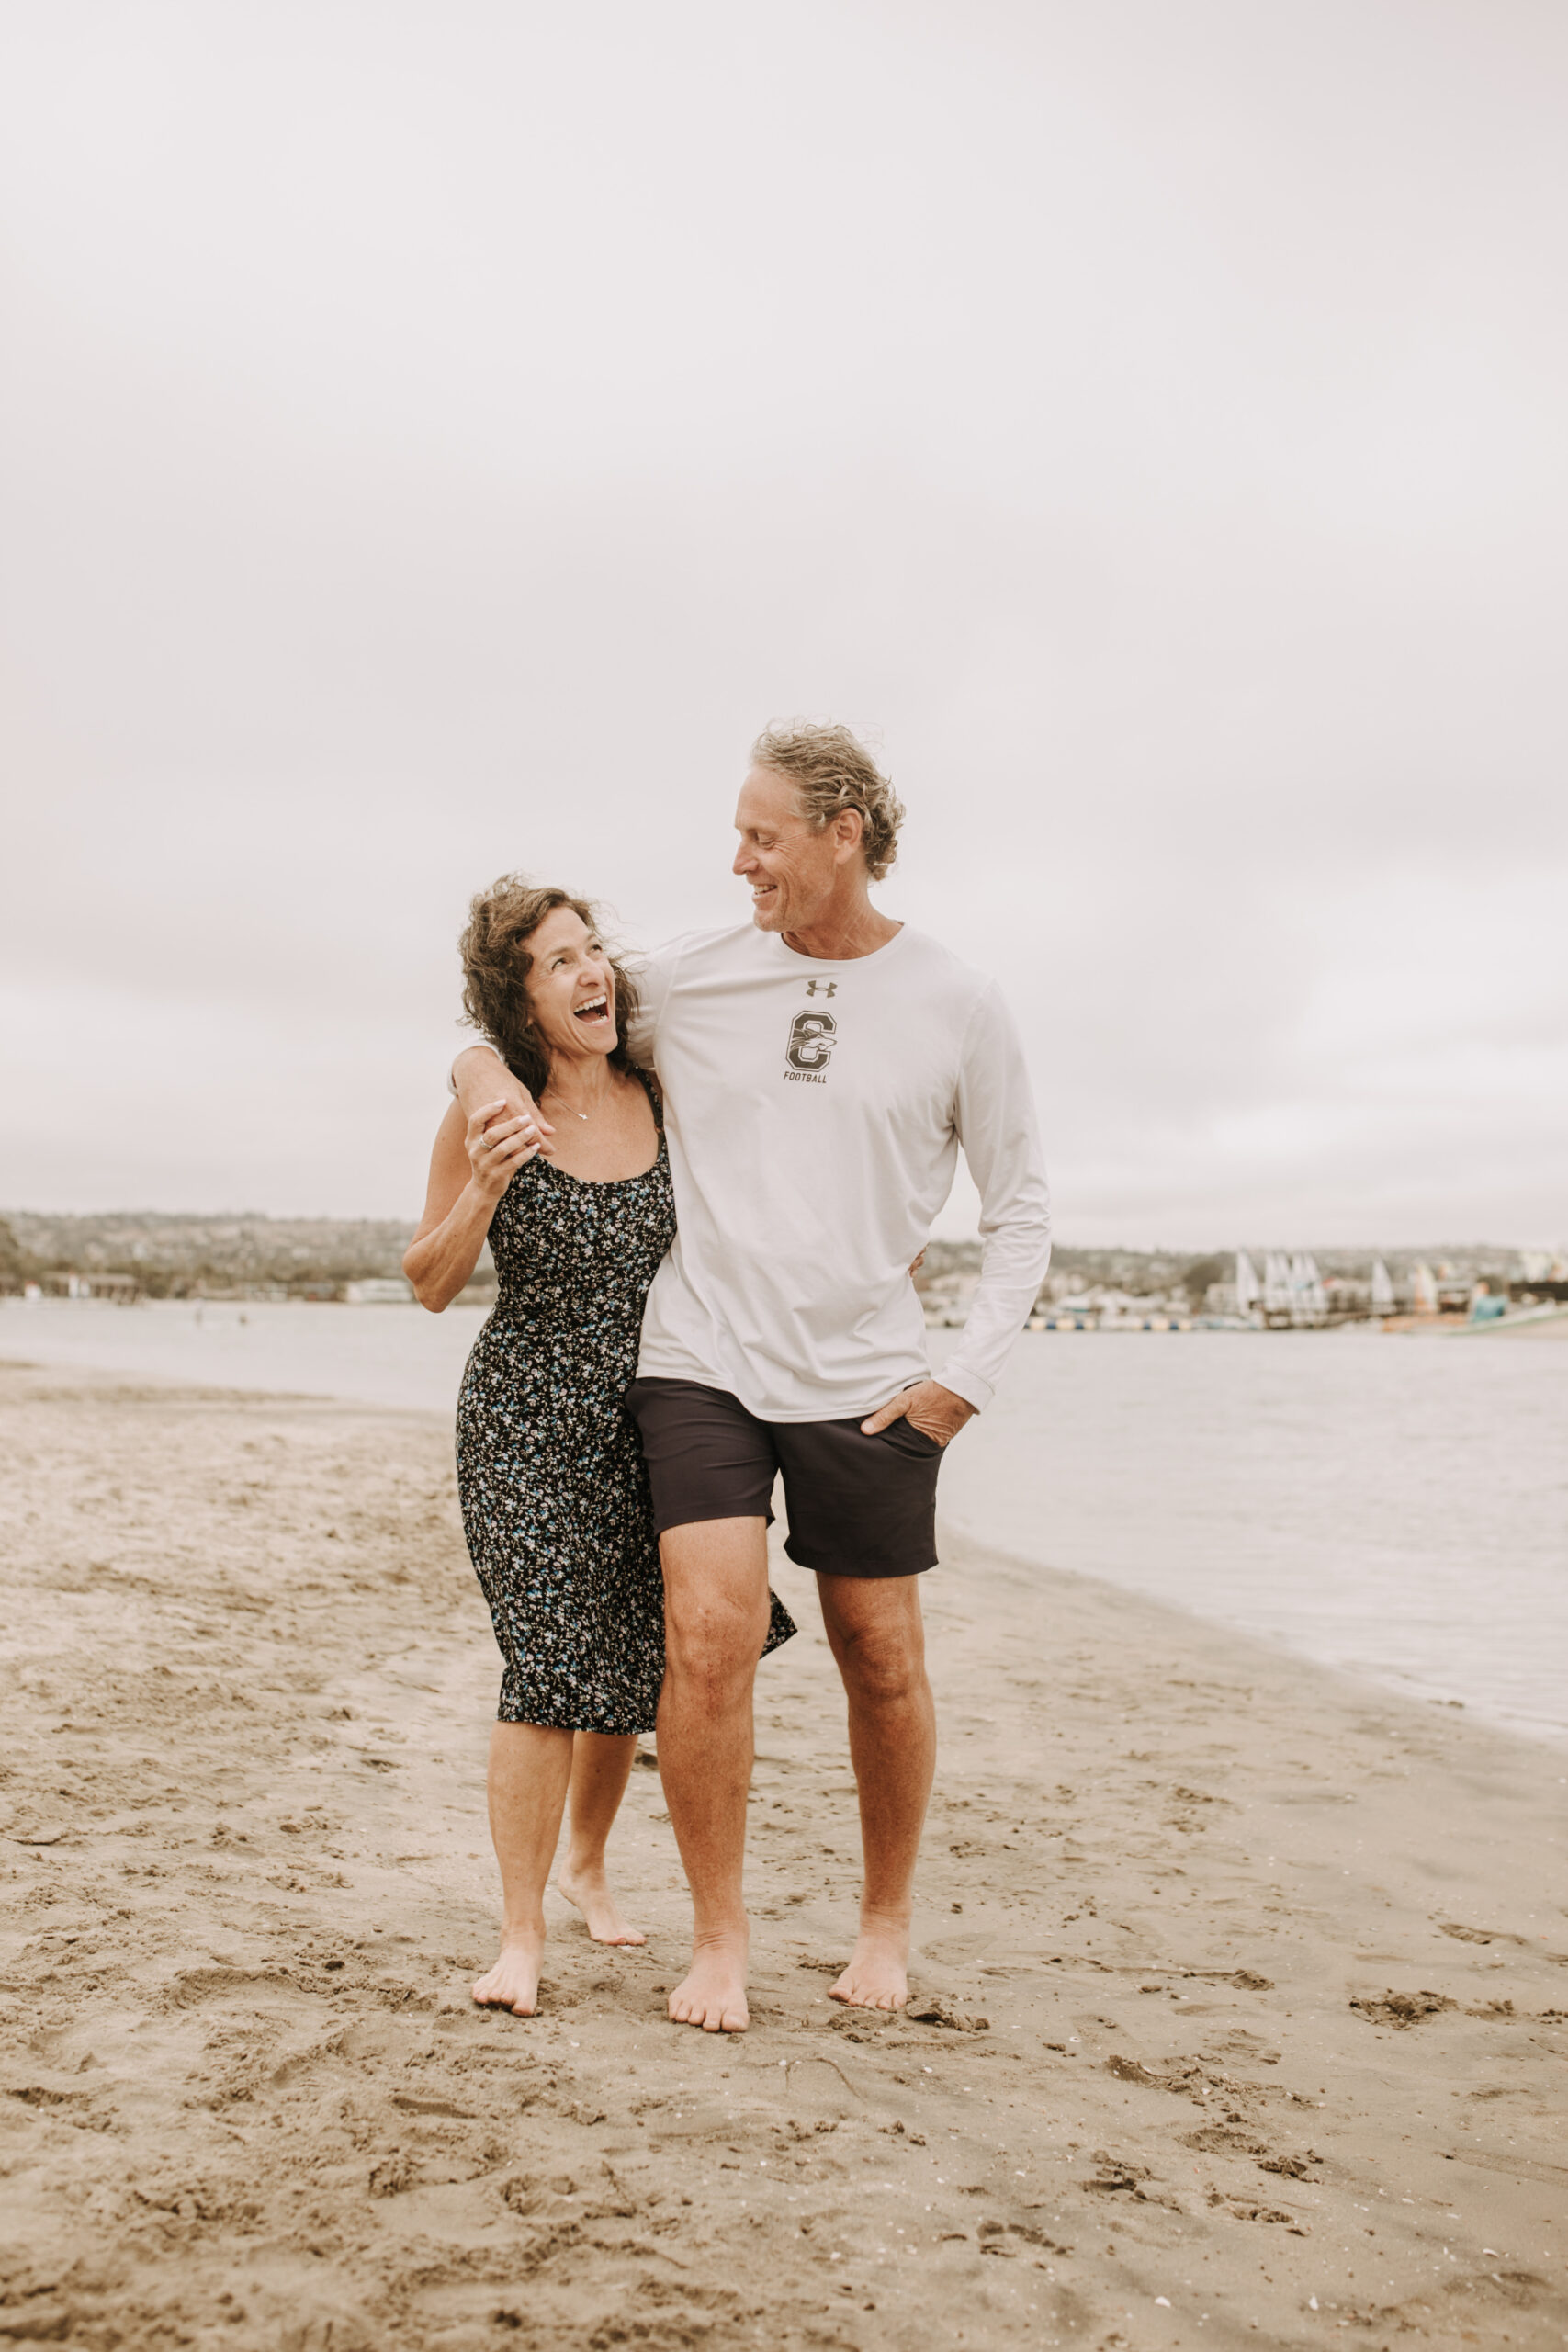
(555,1496)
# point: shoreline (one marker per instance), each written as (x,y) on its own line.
(1303,1543)
(1241,2002)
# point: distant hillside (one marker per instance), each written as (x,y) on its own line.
(950,1266)
(174,1256)
(1154,1273)
(13,1259)
(1144,1272)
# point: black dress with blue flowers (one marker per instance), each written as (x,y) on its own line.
(555,1496)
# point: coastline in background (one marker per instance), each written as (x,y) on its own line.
(127,1255)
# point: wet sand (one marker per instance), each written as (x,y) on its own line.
(1241,2011)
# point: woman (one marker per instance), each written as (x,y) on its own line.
(554,1493)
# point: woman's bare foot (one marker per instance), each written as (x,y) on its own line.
(514,1982)
(877,1977)
(589,1891)
(714,1994)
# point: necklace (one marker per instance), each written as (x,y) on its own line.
(560,1098)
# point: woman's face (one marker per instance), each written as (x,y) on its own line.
(570,988)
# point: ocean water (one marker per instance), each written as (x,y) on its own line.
(1398,1507)
(376,1355)
(1394,1506)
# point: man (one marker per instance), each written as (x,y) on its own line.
(820,1068)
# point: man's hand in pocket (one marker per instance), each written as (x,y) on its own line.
(930,1407)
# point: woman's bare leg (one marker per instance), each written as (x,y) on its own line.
(529,1769)
(600,1765)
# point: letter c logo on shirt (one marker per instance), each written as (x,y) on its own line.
(811,1039)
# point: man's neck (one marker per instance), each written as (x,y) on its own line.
(840,934)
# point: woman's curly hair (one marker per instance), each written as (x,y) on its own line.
(496,963)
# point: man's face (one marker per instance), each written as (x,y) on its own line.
(791,869)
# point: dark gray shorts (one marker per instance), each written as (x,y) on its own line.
(858,1505)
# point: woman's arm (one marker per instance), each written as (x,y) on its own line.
(469,1169)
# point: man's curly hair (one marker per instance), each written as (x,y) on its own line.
(831,771)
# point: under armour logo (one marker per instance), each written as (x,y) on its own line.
(823,987)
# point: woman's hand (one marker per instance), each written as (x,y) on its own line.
(467,1175)
(474,1072)
(497,1150)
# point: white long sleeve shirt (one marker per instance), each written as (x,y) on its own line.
(815,1111)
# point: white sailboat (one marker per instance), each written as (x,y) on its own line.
(1277,1294)
(1312,1299)
(1383,1290)
(1297,1270)
(1248,1292)
(1423,1290)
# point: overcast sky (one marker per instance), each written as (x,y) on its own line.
(439,432)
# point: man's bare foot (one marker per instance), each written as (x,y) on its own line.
(514,1982)
(589,1891)
(714,1994)
(877,1977)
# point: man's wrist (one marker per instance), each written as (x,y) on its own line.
(964,1386)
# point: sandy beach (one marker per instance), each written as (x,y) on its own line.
(1241,2008)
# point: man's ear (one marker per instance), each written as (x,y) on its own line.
(848,831)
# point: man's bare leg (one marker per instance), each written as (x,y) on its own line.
(529,1769)
(715,1619)
(600,1766)
(875,1632)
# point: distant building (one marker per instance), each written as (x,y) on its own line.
(121,1290)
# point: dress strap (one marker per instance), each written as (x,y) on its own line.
(651,1087)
